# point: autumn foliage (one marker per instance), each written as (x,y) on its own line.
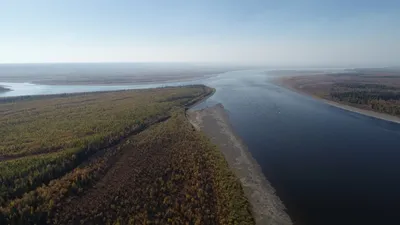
(135,159)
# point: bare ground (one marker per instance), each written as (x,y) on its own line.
(267,208)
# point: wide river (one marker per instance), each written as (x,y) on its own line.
(328,165)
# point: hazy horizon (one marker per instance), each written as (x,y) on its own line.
(247,33)
(229,66)
(215,64)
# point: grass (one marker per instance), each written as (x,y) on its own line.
(132,154)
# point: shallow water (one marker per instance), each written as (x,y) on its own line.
(329,166)
(19,89)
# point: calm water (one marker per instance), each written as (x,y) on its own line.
(329,166)
(19,89)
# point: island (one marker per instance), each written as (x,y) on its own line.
(121,157)
(371,92)
(4,89)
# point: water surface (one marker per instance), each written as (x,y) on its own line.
(329,166)
(20,89)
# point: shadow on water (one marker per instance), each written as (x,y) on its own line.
(328,165)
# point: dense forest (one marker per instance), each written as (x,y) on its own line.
(377,97)
(371,89)
(125,157)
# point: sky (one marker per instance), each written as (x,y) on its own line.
(274,33)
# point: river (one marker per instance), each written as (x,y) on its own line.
(328,165)
(19,89)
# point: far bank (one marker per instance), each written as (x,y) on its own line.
(293,84)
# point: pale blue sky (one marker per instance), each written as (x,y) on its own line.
(296,32)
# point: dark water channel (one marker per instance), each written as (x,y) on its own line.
(329,166)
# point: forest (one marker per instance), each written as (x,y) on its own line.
(370,89)
(377,97)
(123,157)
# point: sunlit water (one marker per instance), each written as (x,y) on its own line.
(329,166)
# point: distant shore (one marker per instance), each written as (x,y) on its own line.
(106,73)
(125,80)
(267,208)
(285,82)
(4,89)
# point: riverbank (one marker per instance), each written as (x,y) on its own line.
(286,82)
(266,206)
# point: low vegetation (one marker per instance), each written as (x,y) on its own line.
(45,124)
(135,159)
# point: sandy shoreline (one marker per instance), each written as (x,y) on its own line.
(283,82)
(267,208)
